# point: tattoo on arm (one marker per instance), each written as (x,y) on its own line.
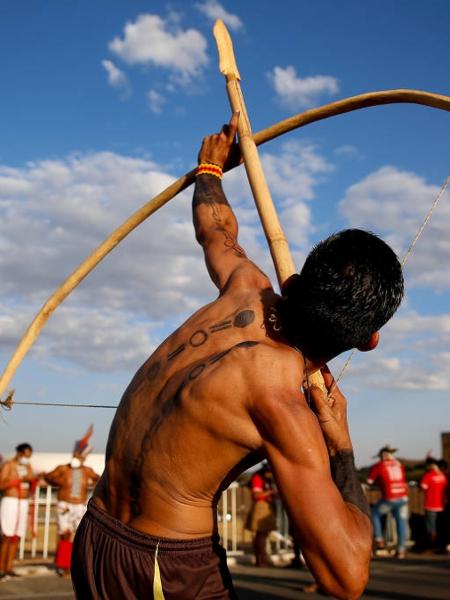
(344,475)
(208,191)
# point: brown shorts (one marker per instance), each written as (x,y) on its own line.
(111,561)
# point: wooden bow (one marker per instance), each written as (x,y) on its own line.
(300,120)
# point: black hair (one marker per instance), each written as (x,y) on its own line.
(442,464)
(21,448)
(349,287)
(430,460)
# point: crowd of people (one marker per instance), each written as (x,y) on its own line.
(388,476)
(73,480)
(17,487)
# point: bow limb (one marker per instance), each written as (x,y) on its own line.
(353,103)
(83,270)
(366,100)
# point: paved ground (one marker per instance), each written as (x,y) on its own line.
(412,579)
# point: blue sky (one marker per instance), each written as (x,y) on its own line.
(104,103)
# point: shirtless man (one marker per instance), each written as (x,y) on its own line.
(224,391)
(16,477)
(73,481)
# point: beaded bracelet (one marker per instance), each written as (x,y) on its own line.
(209,169)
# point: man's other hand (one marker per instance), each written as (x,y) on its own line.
(331,411)
(220,148)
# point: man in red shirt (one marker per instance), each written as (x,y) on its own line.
(261,519)
(434,484)
(389,474)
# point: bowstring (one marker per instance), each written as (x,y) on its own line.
(403,262)
(7,405)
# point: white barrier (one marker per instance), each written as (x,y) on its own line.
(43,498)
(230,517)
(41,537)
(37,542)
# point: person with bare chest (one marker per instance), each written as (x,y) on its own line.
(72,481)
(16,479)
(223,392)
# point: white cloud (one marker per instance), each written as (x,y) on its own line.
(117,78)
(151,40)
(346,150)
(414,346)
(54,212)
(394,203)
(97,339)
(61,211)
(295,171)
(155,101)
(292,175)
(295,92)
(214,10)
(412,355)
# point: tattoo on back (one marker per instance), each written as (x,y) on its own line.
(153,370)
(176,352)
(247,344)
(244,318)
(219,356)
(221,326)
(198,338)
(196,371)
(167,401)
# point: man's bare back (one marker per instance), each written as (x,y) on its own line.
(183,425)
(223,392)
(62,477)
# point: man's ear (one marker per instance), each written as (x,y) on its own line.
(290,283)
(371,344)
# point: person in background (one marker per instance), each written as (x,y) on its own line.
(73,481)
(434,484)
(443,524)
(389,474)
(261,519)
(16,483)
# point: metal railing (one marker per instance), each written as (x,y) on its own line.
(43,501)
(41,537)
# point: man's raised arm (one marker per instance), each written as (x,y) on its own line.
(312,461)
(216,227)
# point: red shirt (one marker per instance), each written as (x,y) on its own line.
(259,484)
(434,483)
(389,474)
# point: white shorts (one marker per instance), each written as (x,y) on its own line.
(69,516)
(13,516)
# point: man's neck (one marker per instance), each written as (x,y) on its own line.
(284,335)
